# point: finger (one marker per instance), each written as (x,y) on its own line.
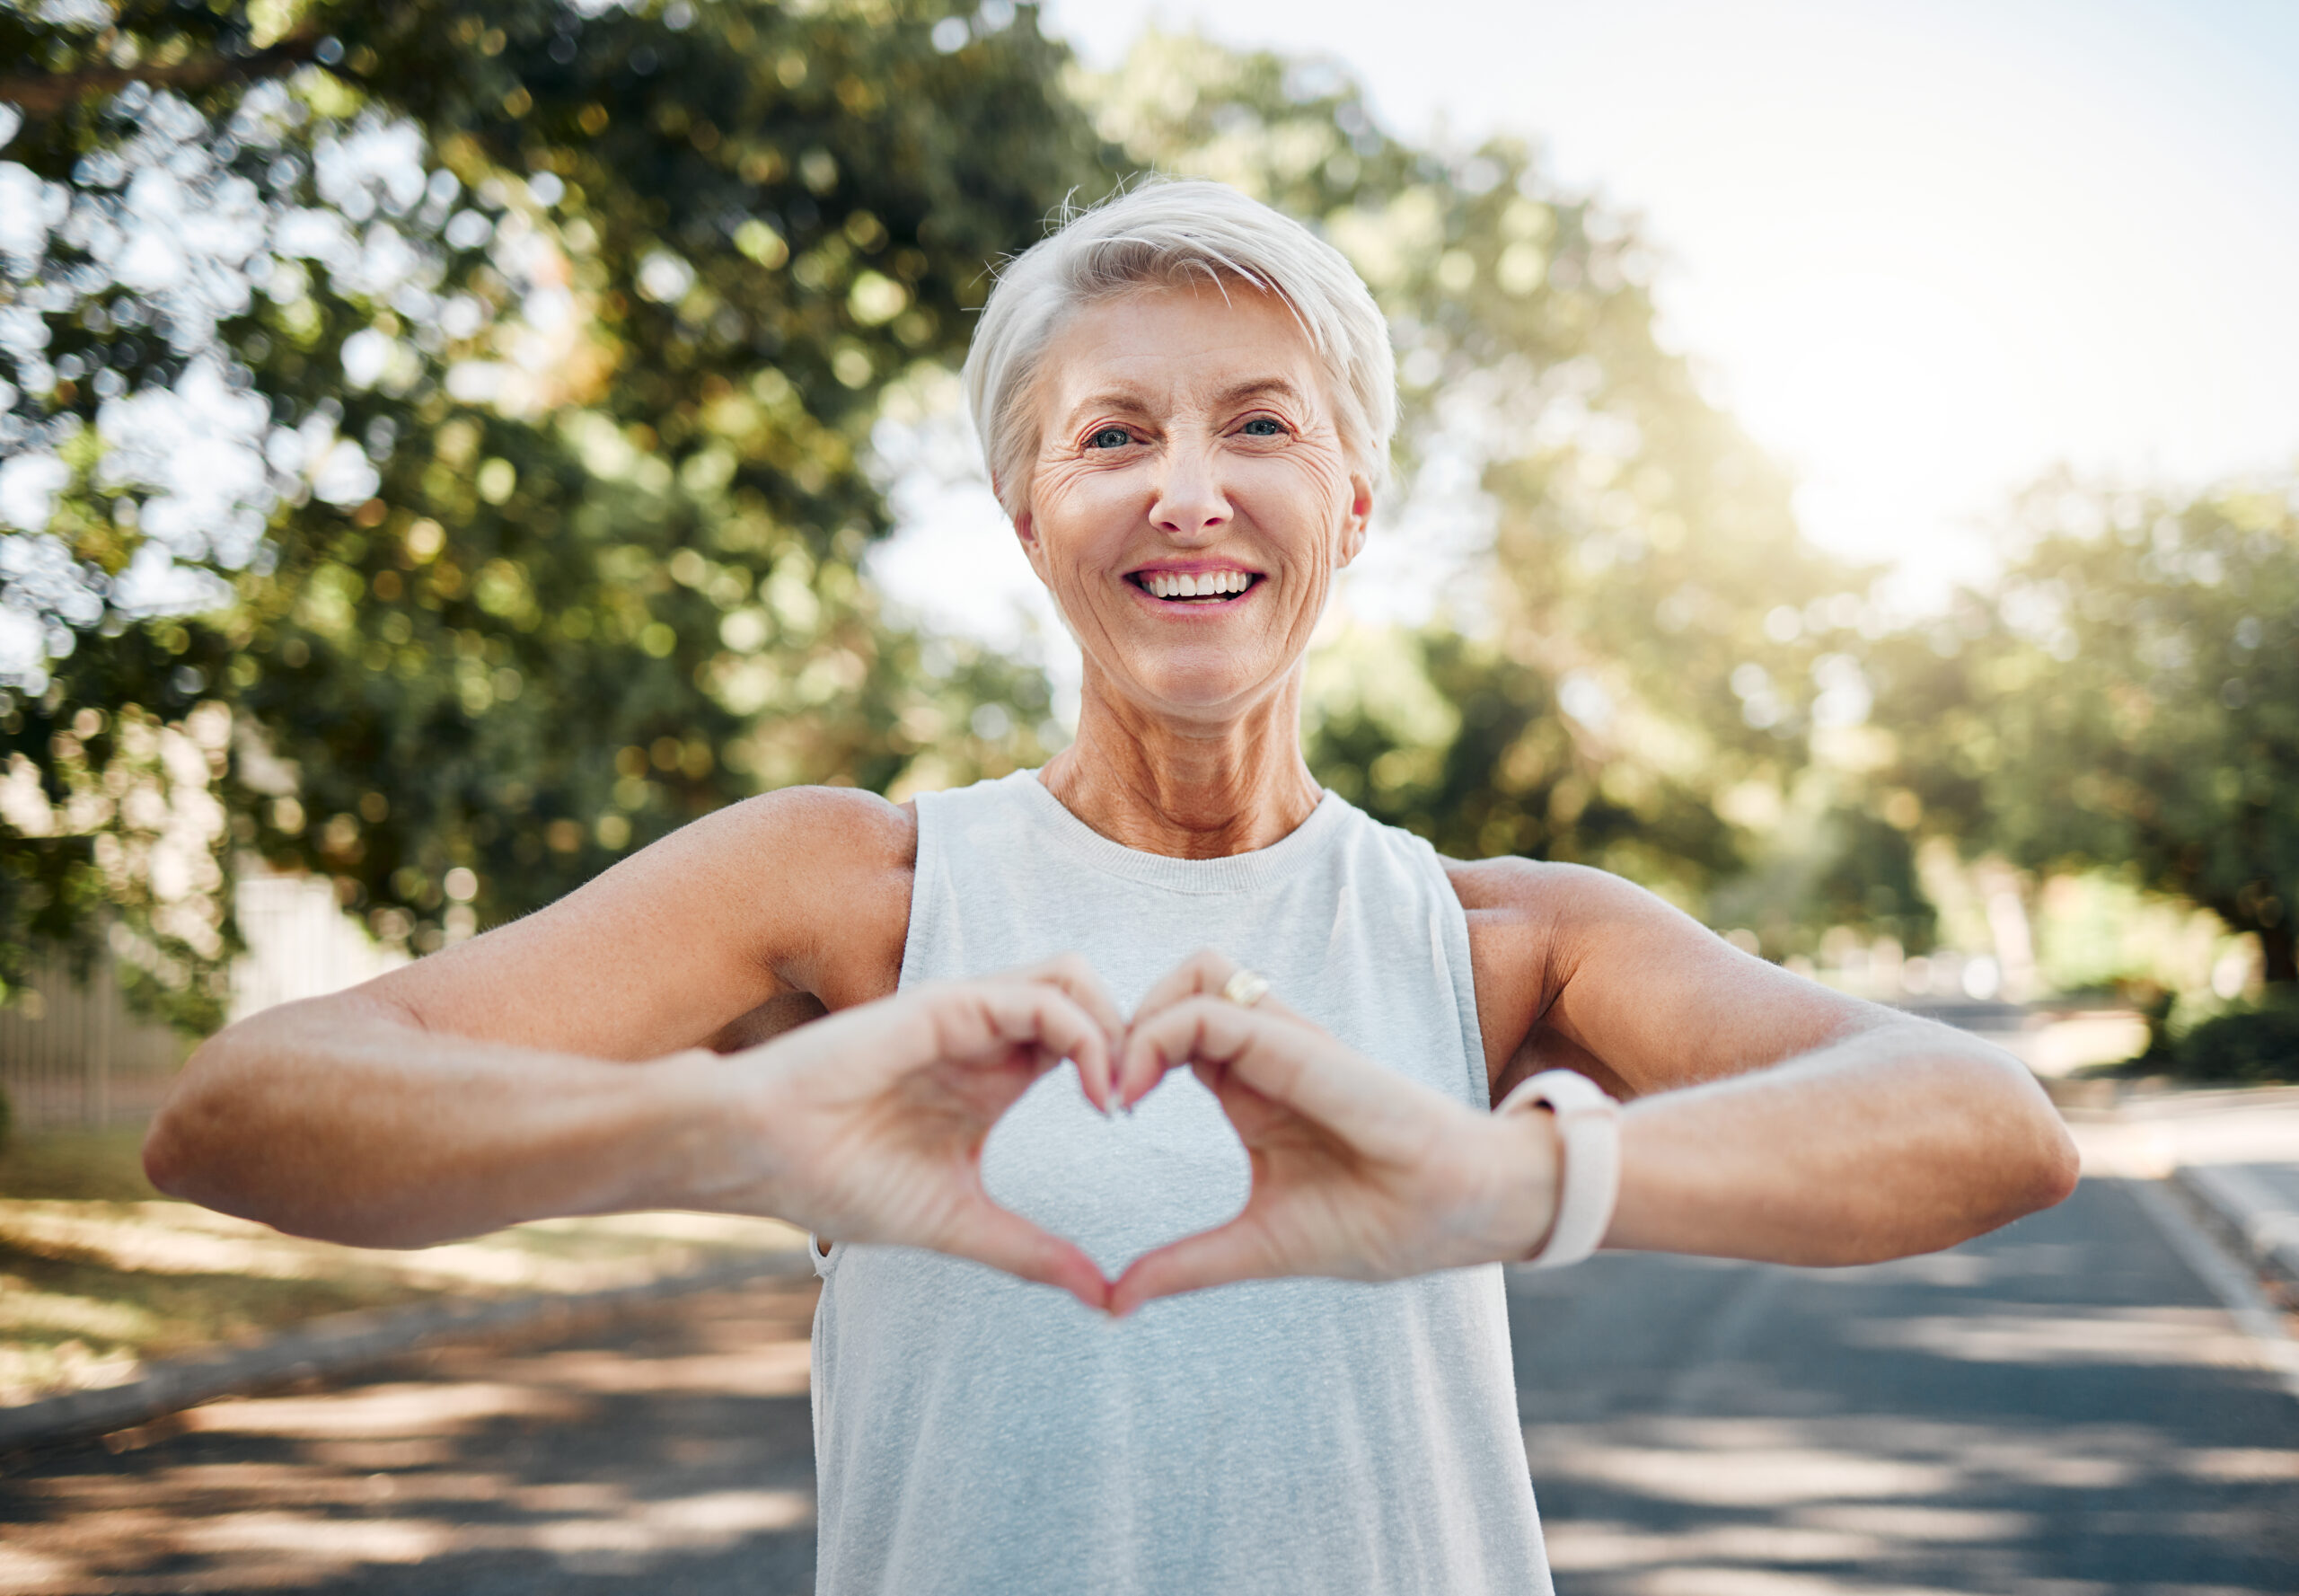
(989,1234)
(1074,975)
(1239,1250)
(1215,1031)
(1034,1013)
(1200,974)
(1295,1065)
(1204,974)
(1071,974)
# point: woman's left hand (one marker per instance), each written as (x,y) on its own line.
(1358,1171)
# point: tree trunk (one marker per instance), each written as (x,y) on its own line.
(2281,949)
(49,94)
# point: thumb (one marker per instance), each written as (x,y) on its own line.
(1237,1251)
(988,1234)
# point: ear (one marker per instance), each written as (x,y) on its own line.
(1026,532)
(1357,517)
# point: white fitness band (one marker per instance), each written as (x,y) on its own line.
(1588,1131)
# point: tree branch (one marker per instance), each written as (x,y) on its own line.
(48,94)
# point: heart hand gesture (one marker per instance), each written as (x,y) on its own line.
(1358,1172)
(871,1122)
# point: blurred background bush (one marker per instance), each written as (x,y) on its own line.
(442,447)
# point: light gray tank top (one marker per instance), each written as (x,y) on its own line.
(975,1434)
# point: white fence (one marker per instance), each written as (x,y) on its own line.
(300,944)
(71,1053)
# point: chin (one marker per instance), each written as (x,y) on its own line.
(1199,689)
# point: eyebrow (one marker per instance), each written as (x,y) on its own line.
(1112,398)
(1131,399)
(1276,386)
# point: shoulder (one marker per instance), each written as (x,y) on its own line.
(1594,972)
(837,827)
(1529,896)
(1556,914)
(1532,925)
(732,927)
(830,867)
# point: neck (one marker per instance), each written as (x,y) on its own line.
(1194,789)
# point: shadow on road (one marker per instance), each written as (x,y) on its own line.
(2059,1409)
(672,1454)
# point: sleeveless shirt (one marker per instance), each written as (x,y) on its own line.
(977,1433)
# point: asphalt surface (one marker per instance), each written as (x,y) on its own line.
(2282,1179)
(2059,1409)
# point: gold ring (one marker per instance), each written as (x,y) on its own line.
(1244,988)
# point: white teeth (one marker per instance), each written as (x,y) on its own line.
(1205,584)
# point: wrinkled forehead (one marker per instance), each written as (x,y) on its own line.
(1181,348)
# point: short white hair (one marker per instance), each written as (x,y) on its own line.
(1164,232)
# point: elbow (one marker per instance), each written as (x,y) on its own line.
(2029,1164)
(2039,1158)
(2028,1160)
(163,1157)
(169,1154)
(177,1153)
(2054,1168)
(2038,1170)
(198,1146)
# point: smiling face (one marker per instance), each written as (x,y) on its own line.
(1191,497)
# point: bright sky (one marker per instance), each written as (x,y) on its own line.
(1924,251)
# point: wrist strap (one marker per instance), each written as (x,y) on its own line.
(1588,1130)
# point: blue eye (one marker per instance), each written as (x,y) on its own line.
(1110,437)
(1262,426)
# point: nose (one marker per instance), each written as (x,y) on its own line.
(1190,504)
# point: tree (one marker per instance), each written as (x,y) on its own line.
(2127,696)
(448,423)
(1654,633)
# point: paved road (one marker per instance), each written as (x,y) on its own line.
(2058,1410)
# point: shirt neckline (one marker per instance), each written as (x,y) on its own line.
(1238,872)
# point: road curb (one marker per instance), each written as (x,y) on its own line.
(2259,1218)
(346,1341)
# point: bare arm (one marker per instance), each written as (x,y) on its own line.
(1768,1117)
(555,1066)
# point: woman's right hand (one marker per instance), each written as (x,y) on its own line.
(867,1125)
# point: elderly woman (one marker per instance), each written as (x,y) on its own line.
(1031,1079)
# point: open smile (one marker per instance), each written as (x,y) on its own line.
(1220,585)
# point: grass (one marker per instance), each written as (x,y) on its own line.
(98,1272)
(75,1315)
(77,1166)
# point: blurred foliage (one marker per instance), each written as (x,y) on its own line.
(2125,696)
(435,451)
(536,353)
(2256,1043)
(2253,1044)
(1828,863)
(1635,660)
